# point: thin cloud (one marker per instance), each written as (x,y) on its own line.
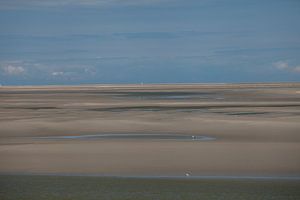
(17,4)
(13,70)
(282,65)
(297,69)
(285,66)
(57,73)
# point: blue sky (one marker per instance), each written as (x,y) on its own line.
(150,41)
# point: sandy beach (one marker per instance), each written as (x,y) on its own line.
(256,129)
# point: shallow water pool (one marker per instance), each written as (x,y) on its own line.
(132,136)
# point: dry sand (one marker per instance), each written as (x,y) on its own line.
(256,127)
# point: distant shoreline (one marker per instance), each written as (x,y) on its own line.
(109,85)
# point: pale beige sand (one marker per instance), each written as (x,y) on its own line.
(257,127)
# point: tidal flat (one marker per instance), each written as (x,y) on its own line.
(195,130)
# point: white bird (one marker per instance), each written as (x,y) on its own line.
(187,174)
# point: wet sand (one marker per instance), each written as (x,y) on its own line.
(256,129)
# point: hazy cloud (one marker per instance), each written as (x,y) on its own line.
(284,65)
(13,70)
(57,73)
(281,65)
(297,69)
(11,4)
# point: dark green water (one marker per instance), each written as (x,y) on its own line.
(28,187)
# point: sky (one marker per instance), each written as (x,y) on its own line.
(149,41)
